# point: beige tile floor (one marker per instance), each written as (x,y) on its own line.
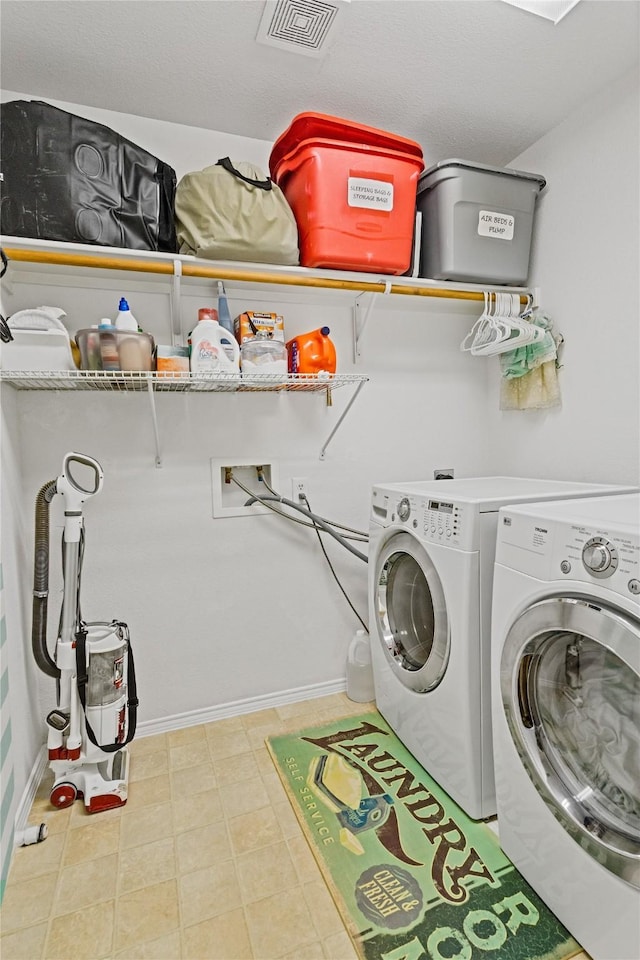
(206,861)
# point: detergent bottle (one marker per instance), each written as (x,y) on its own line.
(125,319)
(312,353)
(359,669)
(213,349)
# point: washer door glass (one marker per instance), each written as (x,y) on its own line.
(411,613)
(571,693)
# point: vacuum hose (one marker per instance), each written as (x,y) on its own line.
(41,582)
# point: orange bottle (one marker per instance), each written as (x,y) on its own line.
(312,353)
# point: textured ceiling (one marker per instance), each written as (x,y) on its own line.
(477,79)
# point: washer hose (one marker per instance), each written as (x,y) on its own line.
(316,519)
(41,581)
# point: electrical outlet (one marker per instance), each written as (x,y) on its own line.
(443,473)
(229,498)
(298,489)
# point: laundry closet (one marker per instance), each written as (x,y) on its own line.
(238,612)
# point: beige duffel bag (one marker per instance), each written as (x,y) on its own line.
(231,211)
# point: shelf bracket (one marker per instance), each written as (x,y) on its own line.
(340,419)
(154,420)
(361,312)
(176,330)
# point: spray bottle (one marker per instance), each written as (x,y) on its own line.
(224,316)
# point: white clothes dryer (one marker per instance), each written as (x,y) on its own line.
(566,712)
(431,555)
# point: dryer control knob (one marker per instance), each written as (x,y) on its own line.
(596,557)
(404,509)
(600,557)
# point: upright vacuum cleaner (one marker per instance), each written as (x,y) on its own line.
(96,711)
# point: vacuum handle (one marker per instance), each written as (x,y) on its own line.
(75,485)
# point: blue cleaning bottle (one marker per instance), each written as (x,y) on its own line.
(125,319)
(224,316)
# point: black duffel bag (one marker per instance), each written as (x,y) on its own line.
(68,178)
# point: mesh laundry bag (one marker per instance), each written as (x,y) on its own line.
(231,211)
(537,390)
(530,373)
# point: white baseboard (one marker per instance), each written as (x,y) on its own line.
(237,707)
(150,727)
(30,790)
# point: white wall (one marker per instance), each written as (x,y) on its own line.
(21,721)
(17,558)
(586,261)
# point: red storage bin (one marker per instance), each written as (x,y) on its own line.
(352,190)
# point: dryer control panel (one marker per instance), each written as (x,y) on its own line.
(583,552)
(554,550)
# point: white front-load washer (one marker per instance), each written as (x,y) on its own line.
(431,554)
(566,712)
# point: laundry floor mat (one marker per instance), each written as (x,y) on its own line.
(412,875)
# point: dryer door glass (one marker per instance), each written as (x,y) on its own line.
(571,692)
(411,613)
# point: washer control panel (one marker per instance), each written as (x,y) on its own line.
(439,521)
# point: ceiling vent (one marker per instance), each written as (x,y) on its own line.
(300,26)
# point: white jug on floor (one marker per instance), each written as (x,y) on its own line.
(359,669)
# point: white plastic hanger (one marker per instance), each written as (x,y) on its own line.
(496,331)
(476,334)
(513,331)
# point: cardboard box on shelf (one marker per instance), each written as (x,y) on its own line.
(273,323)
(172,359)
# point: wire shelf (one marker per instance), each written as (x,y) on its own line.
(173,382)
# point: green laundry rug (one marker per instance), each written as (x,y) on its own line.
(412,876)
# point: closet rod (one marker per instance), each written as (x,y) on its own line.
(242,276)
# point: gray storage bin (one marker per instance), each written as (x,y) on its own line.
(477,222)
